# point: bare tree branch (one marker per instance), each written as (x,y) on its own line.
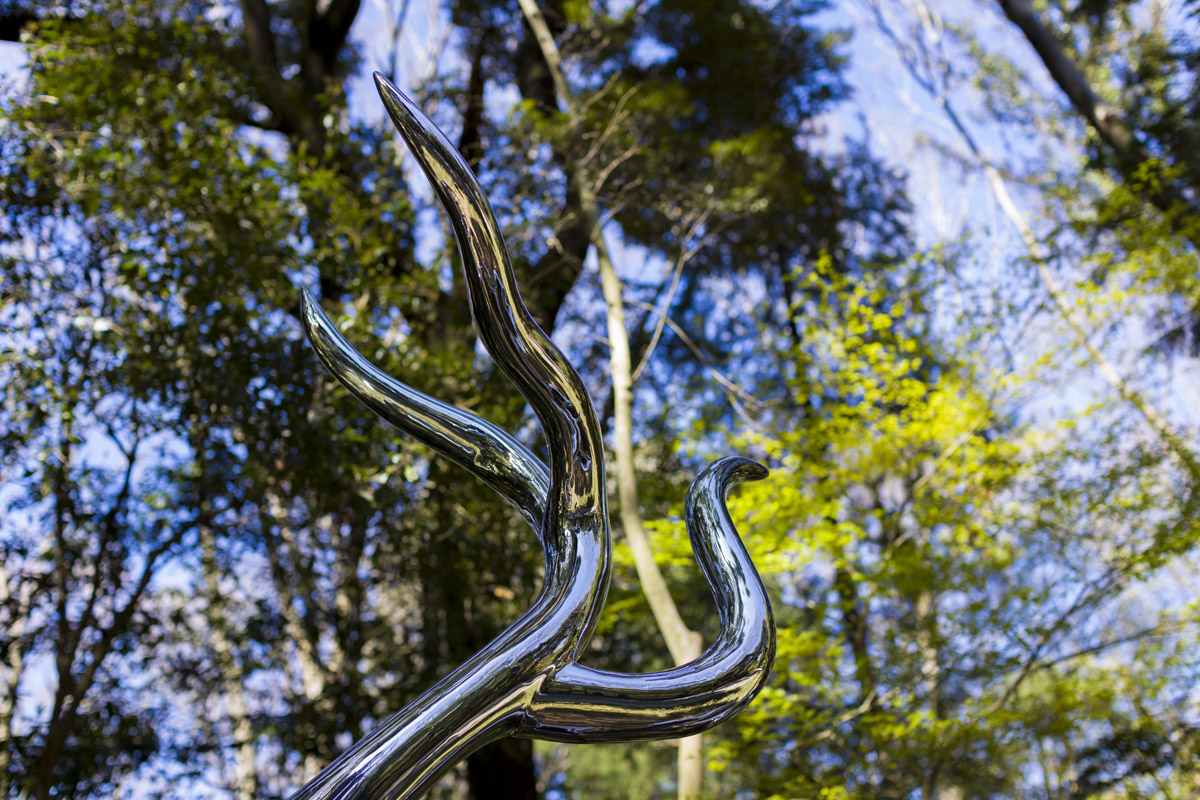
(1105,120)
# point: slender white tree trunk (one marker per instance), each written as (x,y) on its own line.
(683,643)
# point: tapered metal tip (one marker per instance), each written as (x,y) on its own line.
(741,470)
(310,313)
(400,107)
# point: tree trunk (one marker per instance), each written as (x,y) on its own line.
(503,770)
(245,774)
(683,643)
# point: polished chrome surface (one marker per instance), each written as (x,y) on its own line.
(527,681)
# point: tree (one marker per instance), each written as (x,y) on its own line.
(221,355)
(232,571)
(944,624)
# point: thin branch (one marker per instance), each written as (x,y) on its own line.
(680,261)
(1099,647)
(732,389)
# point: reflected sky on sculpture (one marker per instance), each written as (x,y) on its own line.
(526,681)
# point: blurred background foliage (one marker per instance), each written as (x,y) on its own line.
(980,409)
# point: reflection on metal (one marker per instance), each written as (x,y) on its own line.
(527,681)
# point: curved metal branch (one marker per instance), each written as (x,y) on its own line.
(522,350)
(577,511)
(526,681)
(487,451)
(578,703)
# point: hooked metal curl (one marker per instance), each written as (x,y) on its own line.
(527,682)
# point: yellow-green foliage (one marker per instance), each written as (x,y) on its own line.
(931,599)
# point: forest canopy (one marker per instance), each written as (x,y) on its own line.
(936,265)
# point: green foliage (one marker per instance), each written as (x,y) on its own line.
(608,771)
(938,615)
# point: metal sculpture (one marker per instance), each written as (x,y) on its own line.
(527,682)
